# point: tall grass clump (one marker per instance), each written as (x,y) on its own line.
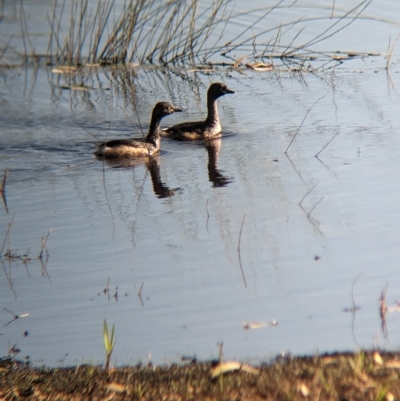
(149,30)
(186,31)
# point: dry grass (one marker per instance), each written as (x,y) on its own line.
(180,31)
(170,32)
(145,30)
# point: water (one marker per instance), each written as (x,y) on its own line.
(301,252)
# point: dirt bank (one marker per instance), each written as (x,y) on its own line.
(362,376)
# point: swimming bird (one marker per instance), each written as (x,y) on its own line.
(208,128)
(150,146)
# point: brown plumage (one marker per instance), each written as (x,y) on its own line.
(150,146)
(210,127)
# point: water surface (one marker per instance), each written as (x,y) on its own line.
(300,251)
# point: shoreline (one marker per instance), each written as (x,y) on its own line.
(366,375)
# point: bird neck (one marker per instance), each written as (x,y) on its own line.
(154,136)
(212,109)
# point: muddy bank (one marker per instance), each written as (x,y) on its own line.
(361,376)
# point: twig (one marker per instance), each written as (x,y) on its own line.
(308,192)
(240,257)
(303,122)
(43,264)
(337,133)
(9,279)
(3,184)
(3,191)
(15,316)
(140,294)
(133,124)
(7,235)
(354,309)
(140,290)
(5,47)
(44,240)
(295,168)
(325,35)
(140,124)
(390,51)
(382,312)
(26,258)
(24,29)
(14,350)
(309,213)
(311,220)
(93,136)
(333,8)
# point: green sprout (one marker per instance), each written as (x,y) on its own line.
(109,343)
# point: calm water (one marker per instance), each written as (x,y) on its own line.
(118,223)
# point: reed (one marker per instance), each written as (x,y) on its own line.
(3,188)
(308,214)
(140,294)
(298,129)
(3,183)
(179,31)
(43,244)
(389,52)
(3,51)
(7,236)
(316,156)
(239,252)
(383,309)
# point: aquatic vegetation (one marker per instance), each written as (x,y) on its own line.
(185,32)
(109,343)
(145,31)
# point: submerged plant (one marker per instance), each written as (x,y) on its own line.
(109,343)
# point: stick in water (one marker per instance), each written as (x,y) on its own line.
(294,137)
(240,258)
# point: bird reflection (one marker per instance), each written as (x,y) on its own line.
(213,147)
(161,190)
